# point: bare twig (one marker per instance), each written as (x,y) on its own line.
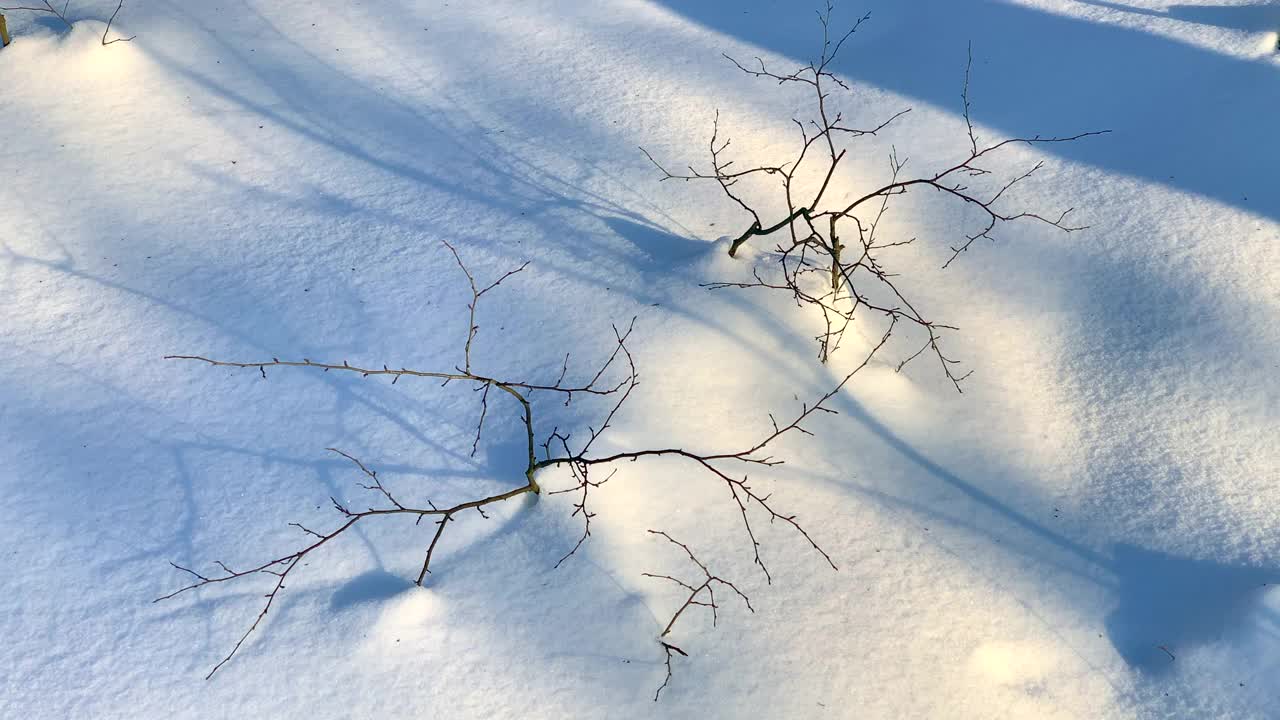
(832,261)
(703,595)
(106,42)
(558,450)
(669,649)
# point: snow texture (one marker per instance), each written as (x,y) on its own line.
(1091,530)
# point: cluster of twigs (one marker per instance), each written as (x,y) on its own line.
(557,450)
(51,9)
(831,258)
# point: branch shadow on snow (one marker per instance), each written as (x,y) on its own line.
(1167,603)
(440,149)
(1161,604)
(446,152)
(661,249)
(1249,18)
(1036,71)
(370,586)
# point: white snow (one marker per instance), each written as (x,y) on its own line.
(1091,530)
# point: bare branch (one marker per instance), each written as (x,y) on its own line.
(832,261)
(558,449)
(106,42)
(705,589)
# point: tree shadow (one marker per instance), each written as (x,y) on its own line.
(661,250)
(371,586)
(1249,18)
(1160,604)
(1040,72)
(52,24)
(1167,603)
(438,147)
(591,238)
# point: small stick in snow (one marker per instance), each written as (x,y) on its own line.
(704,595)
(106,42)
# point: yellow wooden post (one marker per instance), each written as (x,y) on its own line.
(4,32)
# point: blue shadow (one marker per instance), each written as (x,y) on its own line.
(1182,116)
(372,586)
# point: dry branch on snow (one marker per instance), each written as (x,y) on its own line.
(831,258)
(556,450)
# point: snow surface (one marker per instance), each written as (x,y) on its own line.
(257,178)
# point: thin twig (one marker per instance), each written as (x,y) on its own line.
(702,595)
(106,42)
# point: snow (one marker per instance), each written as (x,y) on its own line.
(1089,531)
